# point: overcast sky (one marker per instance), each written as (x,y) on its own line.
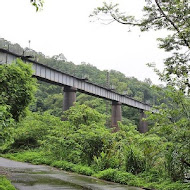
(63,26)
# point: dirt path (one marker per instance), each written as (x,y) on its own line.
(26,176)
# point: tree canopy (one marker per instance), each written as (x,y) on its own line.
(17,87)
(170,15)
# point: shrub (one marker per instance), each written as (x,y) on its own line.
(79,140)
(6,127)
(135,161)
(82,114)
(120,177)
(33,130)
(73,167)
(5,184)
(17,87)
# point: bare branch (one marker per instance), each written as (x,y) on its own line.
(126,23)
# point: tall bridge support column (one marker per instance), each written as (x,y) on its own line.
(143,125)
(116,115)
(69,97)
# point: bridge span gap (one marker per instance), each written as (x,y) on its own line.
(73,84)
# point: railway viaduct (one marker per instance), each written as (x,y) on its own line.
(73,84)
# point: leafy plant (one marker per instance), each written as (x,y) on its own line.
(5,184)
(17,87)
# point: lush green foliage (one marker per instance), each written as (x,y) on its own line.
(6,127)
(5,184)
(17,92)
(17,87)
(31,132)
(158,159)
(146,179)
(82,144)
(172,121)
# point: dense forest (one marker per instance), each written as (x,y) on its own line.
(32,130)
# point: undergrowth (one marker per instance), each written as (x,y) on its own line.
(114,175)
(5,184)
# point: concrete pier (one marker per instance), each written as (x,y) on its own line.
(143,126)
(116,115)
(69,97)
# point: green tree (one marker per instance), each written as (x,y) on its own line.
(82,114)
(171,15)
(38,4)
(17,87)
(172,121)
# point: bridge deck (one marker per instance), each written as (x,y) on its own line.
(53,76)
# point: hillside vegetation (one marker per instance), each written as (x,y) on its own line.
(84,143)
